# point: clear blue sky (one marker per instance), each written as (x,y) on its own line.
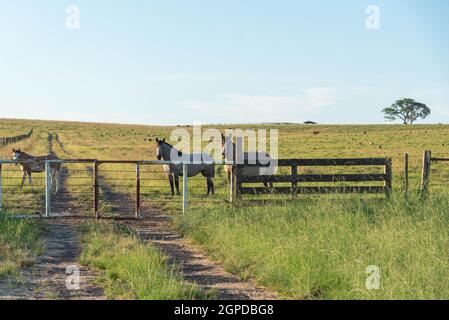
(233,61)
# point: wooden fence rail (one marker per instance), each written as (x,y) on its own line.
(294,178)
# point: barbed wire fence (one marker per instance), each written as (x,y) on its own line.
(14,139)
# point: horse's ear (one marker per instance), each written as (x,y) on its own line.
(222,137)
(13,150)
(157,139)
(163,140)
(179,153)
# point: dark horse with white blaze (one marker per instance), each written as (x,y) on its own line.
(166,151)
(36,164)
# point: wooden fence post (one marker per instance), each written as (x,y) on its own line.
(294,173)
(47,188)
(95,174)
(1,188)
(425,175)
(137,190)
(232,185)
(237,183)
(406,174)
(389,176)
(184,188)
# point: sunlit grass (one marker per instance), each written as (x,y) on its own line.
(20,244)
(131,269)
(321,249)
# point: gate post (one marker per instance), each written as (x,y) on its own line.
(232,185)
(47,188)
(1,188)
(389,176)
(184,188)
(137,190)
(425,175)
(406,174)
(95,174)
(237,182)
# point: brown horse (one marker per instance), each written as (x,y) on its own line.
(30,163)
(229,154)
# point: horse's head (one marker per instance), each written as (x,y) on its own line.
(166,151)
(227,147)
(16,154)
(159,147)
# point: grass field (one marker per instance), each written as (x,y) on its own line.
(313,249)
(19,244)
(310,247)
(129,268)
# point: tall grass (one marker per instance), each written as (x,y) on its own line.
(321,249)
(19,244)
(131,269)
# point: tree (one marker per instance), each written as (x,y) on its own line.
(408,110)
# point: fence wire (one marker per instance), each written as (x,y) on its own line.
(121,191)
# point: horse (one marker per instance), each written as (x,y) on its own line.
(229,154)
(36,164)
(165,151)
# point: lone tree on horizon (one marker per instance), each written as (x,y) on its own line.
(407,110)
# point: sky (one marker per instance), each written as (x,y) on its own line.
(228,61)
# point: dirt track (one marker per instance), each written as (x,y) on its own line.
(155,227)
(47,278)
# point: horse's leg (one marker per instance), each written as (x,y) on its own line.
(177,184)
(30,179)
(54,181)
(24,175)
(210,185)
(170,179)
(57,179)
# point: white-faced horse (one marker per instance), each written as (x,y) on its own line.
(229,153)
(30,163)
(167,152)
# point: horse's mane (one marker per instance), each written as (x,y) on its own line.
(26,154)
(168,144)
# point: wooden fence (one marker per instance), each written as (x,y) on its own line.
(9,140)
(294,178)
(426,165)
